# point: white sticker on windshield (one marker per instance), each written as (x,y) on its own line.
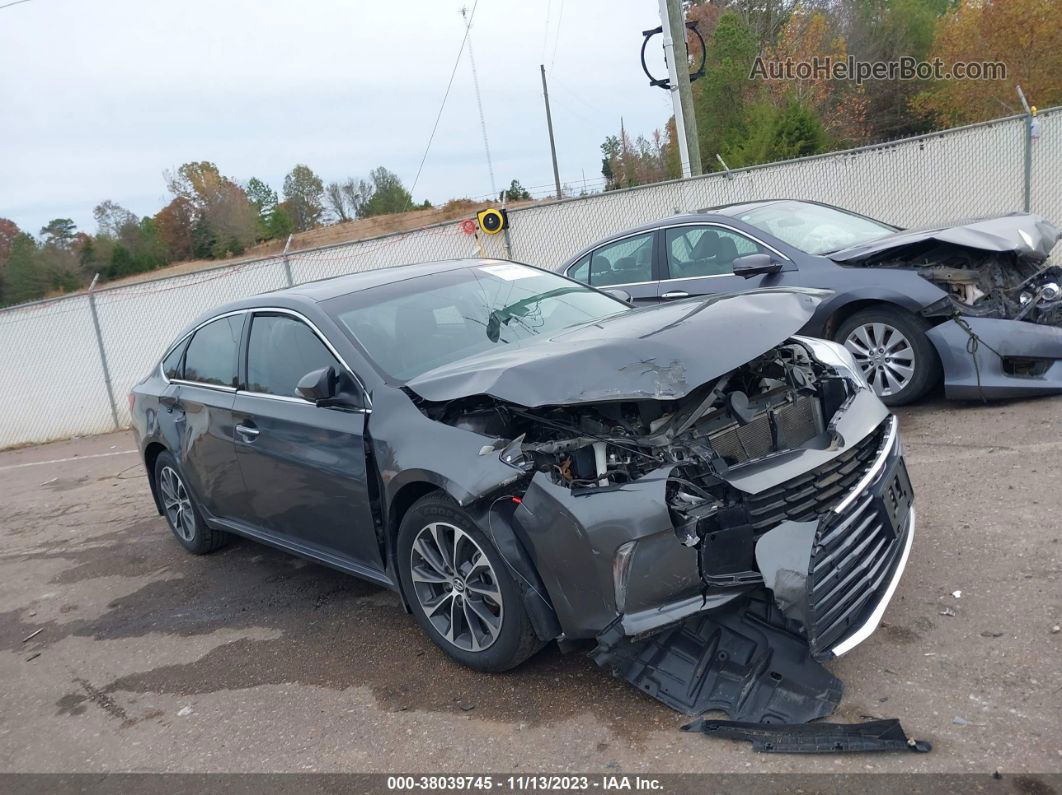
(509,271)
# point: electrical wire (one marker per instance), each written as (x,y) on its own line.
(556,38)
(446,95)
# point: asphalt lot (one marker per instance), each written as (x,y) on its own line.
(146,658)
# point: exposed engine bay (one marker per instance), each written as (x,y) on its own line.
(782,400)
(990,284)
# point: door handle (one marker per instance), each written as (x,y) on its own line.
(247,432)
(675,294)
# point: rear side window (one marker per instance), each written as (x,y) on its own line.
(211,355)
(173,365)
(624,262)
(281,350)
(580,271)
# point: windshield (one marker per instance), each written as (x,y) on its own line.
(412,326)
(812,227)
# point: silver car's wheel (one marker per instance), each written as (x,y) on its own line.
(456,586)
(885,355)
(177,504)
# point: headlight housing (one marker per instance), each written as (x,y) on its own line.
(837,356)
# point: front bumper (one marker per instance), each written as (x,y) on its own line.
(986,367)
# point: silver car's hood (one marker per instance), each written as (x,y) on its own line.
(1027,236)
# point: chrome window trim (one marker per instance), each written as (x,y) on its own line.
(727,227)
(289,399)
(217,387)
(271,310)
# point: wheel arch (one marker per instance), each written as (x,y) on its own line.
(151,455)
(839,314)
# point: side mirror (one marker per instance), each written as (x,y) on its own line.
(755,265)
(326,388)
(619,294)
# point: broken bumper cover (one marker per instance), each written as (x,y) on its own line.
(1003,358)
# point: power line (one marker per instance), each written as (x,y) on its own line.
(449,85)
(8,5)
(556,38)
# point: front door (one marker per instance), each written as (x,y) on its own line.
(304,466)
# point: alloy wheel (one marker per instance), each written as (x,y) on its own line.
(177,504)
(456,586)
(885,356)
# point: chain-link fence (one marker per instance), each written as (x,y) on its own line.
(67,364)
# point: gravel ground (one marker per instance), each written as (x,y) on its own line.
(118,651)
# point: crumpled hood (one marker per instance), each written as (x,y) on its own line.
(657,352)
(1021,233)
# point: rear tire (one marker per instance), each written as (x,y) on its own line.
(890,345)
(179,508)
(460,589)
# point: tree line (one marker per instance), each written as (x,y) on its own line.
(210,216)
(746,121)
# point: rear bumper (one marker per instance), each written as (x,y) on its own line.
(974,370)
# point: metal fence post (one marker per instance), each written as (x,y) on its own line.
(1028,149)
(287,262)
(103,352)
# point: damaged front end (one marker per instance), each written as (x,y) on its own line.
(719,545)
(993,268)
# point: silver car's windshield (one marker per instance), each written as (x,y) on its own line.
(415,325)
(812,227)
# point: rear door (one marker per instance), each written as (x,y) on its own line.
(200,398)
(630,263)
(699,261)
(304,466)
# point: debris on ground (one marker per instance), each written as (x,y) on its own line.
(814,738)
(947,611)
(32,635)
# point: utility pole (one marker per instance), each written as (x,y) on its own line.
(549,124)
(479,104)
(673,22)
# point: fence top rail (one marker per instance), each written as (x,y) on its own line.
(241,264)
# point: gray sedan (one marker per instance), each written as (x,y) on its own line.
(975,303)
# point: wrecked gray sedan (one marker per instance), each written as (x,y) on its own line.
(975,304)
(717,504)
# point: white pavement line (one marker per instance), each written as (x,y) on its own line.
(64,460)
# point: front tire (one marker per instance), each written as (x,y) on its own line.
(891,347)
(460,589)
(178,506)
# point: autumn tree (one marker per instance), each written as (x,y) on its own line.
(304,197)
(111,218)
(175,223)
(839,105)
(225,221)
(1026,35)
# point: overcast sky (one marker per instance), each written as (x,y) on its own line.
(99,97)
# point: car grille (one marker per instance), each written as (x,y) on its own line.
(852,560)
(793,424)
(817,490)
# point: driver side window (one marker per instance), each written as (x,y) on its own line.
(280,351)
(695,251)
(625,261)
